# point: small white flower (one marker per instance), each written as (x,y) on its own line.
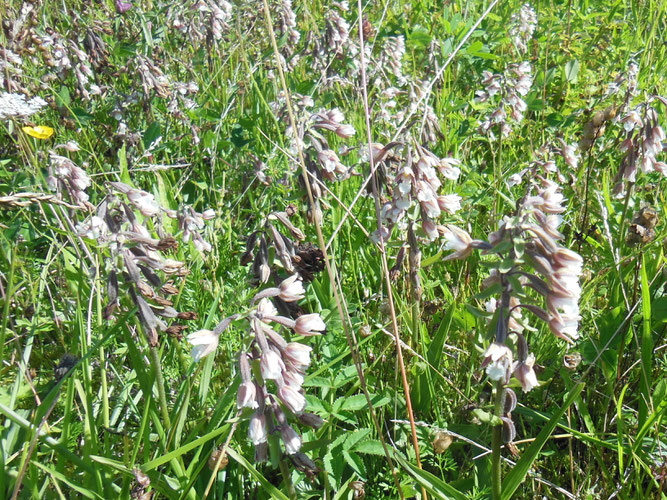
(525,374)
(291,289)
(292,398)
(450,203)
(204,341)
(266,308)
(271,365)
(298,354)
(309,324)
(291,439)
(257,429)
(246,396)
(497,361)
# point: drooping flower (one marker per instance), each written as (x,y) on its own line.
(458,240)
(292,398)
(257,432)
(291,289)
(497,361)
(271,365)
(525,374)
(309,324)
(204,343)
(291,439)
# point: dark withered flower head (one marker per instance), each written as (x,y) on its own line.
(66,363)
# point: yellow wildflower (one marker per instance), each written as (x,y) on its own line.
(39,131)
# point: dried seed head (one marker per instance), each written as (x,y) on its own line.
(441,442)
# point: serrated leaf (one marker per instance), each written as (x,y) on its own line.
(358,402)
(370,447)
(354,437)
(357,464)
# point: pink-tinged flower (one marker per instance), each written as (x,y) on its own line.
(449,169)
(430,228)
(208,214)
(330,162)
(405,178)
(247,396)
(309,324)
(257,429)
(569,154)
(292,398)
(291,439)
(293,377)
(271,365)
(266,308)
(450,203)
(631,120)
(497,361)
(525,374)
(345,131)
(144,201)
(458,240)
(291,289)
(565,327)
(204,341)
(297,354)
(123,7)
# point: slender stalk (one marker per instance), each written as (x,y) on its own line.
(626,204)
(288,480)
(383,255)
(496,443)
(8,293)
(499,400)
(349,334)
(159,380)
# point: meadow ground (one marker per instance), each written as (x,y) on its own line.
(276,249)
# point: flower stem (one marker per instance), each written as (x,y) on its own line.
(496,443)
(155,361)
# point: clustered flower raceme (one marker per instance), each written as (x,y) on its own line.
(322,162)
(530,257)
(65,57)
(505,91)
(10,68)
(292,255)
(201,21)
(286,24)
(64,176)
(334,42)
(190,221)
(136,255)
(271,369)
(391,58)
(415,187)
(644,138)
(522,27)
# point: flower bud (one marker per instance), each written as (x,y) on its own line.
(309,324)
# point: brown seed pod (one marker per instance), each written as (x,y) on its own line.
(214,458)
(441,442)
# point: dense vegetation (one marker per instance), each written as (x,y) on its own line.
(319,250)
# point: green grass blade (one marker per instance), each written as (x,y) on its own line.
(275,492)
(518,473)
(646,351)
(434,485)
